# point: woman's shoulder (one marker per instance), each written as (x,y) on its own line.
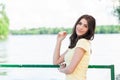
(83,43)
(83,40)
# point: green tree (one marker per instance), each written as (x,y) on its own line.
(117,11)
(4,23)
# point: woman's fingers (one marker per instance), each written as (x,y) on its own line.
(63,33)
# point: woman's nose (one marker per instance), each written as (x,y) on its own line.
(81,26)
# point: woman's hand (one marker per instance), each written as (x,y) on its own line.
(61,35)
(62,67)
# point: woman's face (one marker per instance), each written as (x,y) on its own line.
(81,27)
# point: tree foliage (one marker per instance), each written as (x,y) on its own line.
(4,23)
(117,11)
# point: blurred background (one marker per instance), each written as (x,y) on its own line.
(28,31)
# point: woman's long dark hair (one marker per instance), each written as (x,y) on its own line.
(89,35)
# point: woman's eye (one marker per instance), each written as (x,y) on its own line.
(86,26)
(80,23)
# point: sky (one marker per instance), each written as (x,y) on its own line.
(57,13)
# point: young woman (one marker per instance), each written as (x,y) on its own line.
(76,57)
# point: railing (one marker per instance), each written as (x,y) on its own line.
(111,67)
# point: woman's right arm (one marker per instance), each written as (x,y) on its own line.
(57,58)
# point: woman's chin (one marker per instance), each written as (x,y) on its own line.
(79,34)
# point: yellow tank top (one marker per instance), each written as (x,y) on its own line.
(81,69)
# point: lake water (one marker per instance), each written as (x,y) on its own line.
(38,49)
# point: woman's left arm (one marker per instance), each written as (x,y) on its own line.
(79,53)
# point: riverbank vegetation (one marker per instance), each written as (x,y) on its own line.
(4,23)
(103,29)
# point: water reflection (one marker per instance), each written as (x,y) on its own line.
(3,51)
(3,56)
